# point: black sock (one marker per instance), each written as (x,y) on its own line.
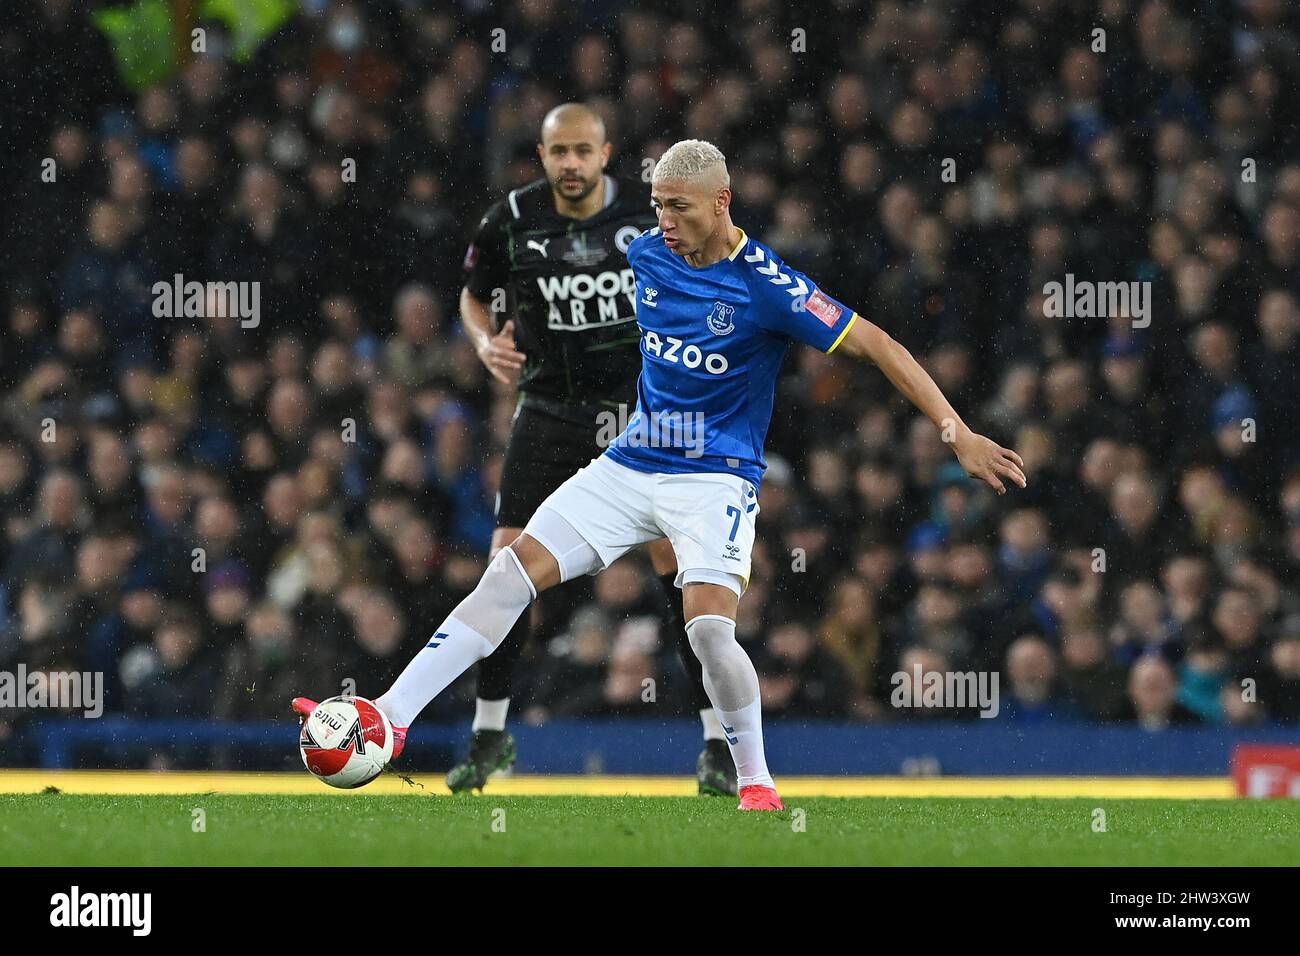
(676,624)
(496,672)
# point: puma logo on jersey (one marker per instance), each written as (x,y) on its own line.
(539,246)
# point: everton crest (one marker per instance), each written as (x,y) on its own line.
(719,320)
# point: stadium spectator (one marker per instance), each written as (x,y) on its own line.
(571,677)
(1032,691)
(798,678)
(1092,680)
(1280,685)
(175,674)
(1153,695)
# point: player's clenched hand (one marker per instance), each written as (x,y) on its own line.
(989,461)
(499,354)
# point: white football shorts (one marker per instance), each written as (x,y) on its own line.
(606,509)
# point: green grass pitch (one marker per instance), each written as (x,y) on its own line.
(60,829)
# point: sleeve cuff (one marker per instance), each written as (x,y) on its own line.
(845,331)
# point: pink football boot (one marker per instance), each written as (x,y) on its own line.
(757,797)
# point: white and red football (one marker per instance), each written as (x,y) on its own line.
(347,742)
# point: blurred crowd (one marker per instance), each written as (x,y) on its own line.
(217,517)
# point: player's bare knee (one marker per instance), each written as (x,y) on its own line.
(539,564)
(714,599)
(501,538)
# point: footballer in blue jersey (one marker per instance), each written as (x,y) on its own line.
(712,342)
(717,312)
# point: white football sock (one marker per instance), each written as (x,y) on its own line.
(712,726)
(490,714)
(474,630)
(732,684)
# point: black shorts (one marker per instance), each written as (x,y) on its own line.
(544,450)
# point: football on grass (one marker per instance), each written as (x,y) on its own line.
(346,742)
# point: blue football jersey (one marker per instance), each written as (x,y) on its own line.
(712,343)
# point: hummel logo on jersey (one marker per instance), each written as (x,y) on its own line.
(719,320)
(649,297)
(733,552)
(539,246)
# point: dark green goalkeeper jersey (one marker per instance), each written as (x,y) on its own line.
(568,286)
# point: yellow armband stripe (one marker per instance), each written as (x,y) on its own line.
(853,318)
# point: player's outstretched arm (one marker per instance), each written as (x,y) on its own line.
(495,349)
(981,457)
